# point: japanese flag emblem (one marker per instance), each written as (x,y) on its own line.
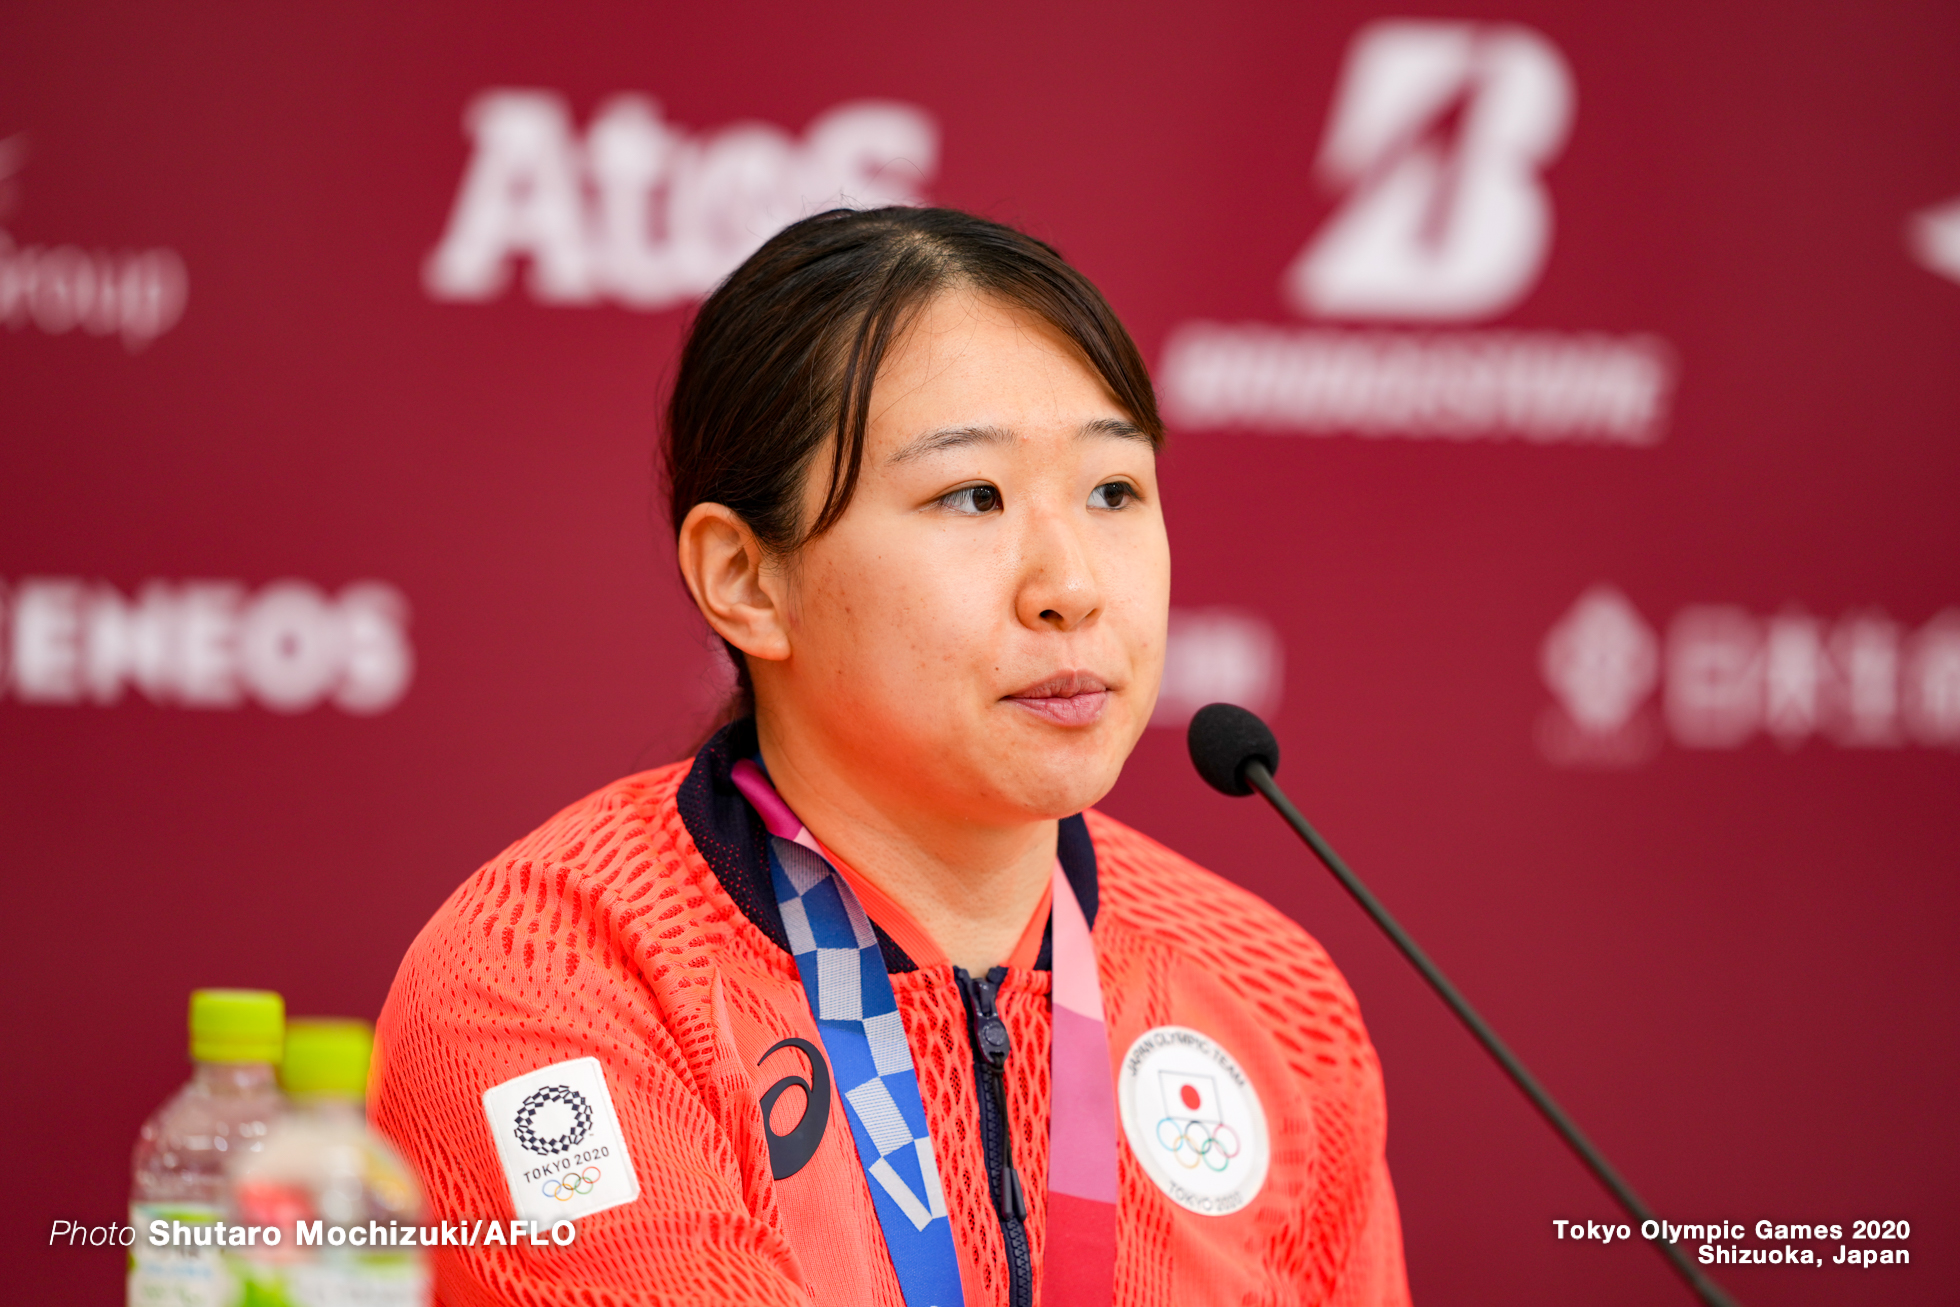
(1192,1096)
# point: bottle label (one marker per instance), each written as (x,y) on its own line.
(180,1272)
(339,1280)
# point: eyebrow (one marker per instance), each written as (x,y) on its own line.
(933,442)
(1121,428)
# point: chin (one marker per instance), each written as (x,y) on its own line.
(1054,772)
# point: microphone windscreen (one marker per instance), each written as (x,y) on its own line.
(1223,738)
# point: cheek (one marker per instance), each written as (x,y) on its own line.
(874,620)
(1139,582)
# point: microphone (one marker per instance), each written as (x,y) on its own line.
(1236,754)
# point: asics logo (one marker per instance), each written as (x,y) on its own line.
(791,1152)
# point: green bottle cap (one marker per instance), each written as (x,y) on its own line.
(236,1025)
(327,1055)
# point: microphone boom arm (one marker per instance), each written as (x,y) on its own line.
(1259,777)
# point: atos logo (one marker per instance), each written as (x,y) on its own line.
(642,212)
(1726,675)
(1438,224)
(1437,145)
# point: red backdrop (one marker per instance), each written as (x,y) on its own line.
(1572,466)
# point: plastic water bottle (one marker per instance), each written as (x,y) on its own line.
(337,1192)
(225,1112)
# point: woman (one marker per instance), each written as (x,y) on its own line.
(864,1004)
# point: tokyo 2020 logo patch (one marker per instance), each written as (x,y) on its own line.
(1194,1120)
(559,1142)
(527,1115)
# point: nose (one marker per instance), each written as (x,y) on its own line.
(1058,590)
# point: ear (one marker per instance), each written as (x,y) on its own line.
(727,572)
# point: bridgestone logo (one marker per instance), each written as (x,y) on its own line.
(526,1114)
(1542,386)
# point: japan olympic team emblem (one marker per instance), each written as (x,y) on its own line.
(1193,1120)
(581,1112)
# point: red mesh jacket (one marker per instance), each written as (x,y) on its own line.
(611,932)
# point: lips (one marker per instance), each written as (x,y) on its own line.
(1072,698)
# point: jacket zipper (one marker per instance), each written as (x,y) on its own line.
(988,1034)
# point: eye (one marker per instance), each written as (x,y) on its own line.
(972,501)
(1112,494)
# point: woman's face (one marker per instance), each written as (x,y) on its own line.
(982,632)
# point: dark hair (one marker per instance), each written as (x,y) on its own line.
(782,357)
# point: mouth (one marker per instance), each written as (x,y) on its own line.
(1072,698)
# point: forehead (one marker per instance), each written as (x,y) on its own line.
(973,359)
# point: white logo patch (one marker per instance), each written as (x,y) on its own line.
(560,1143)
(1193,1120)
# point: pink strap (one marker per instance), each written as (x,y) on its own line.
(1079,1265)
(762,796)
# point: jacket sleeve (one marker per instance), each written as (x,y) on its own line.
(539,958)
(1375,1275)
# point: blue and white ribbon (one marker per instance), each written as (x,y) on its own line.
(864,1037)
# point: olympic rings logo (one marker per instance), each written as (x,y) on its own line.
(1210,1144)
(577,1185)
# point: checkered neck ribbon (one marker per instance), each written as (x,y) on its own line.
(863,1036)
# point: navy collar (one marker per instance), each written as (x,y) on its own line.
(731,839)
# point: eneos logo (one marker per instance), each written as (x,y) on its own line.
(207,644)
